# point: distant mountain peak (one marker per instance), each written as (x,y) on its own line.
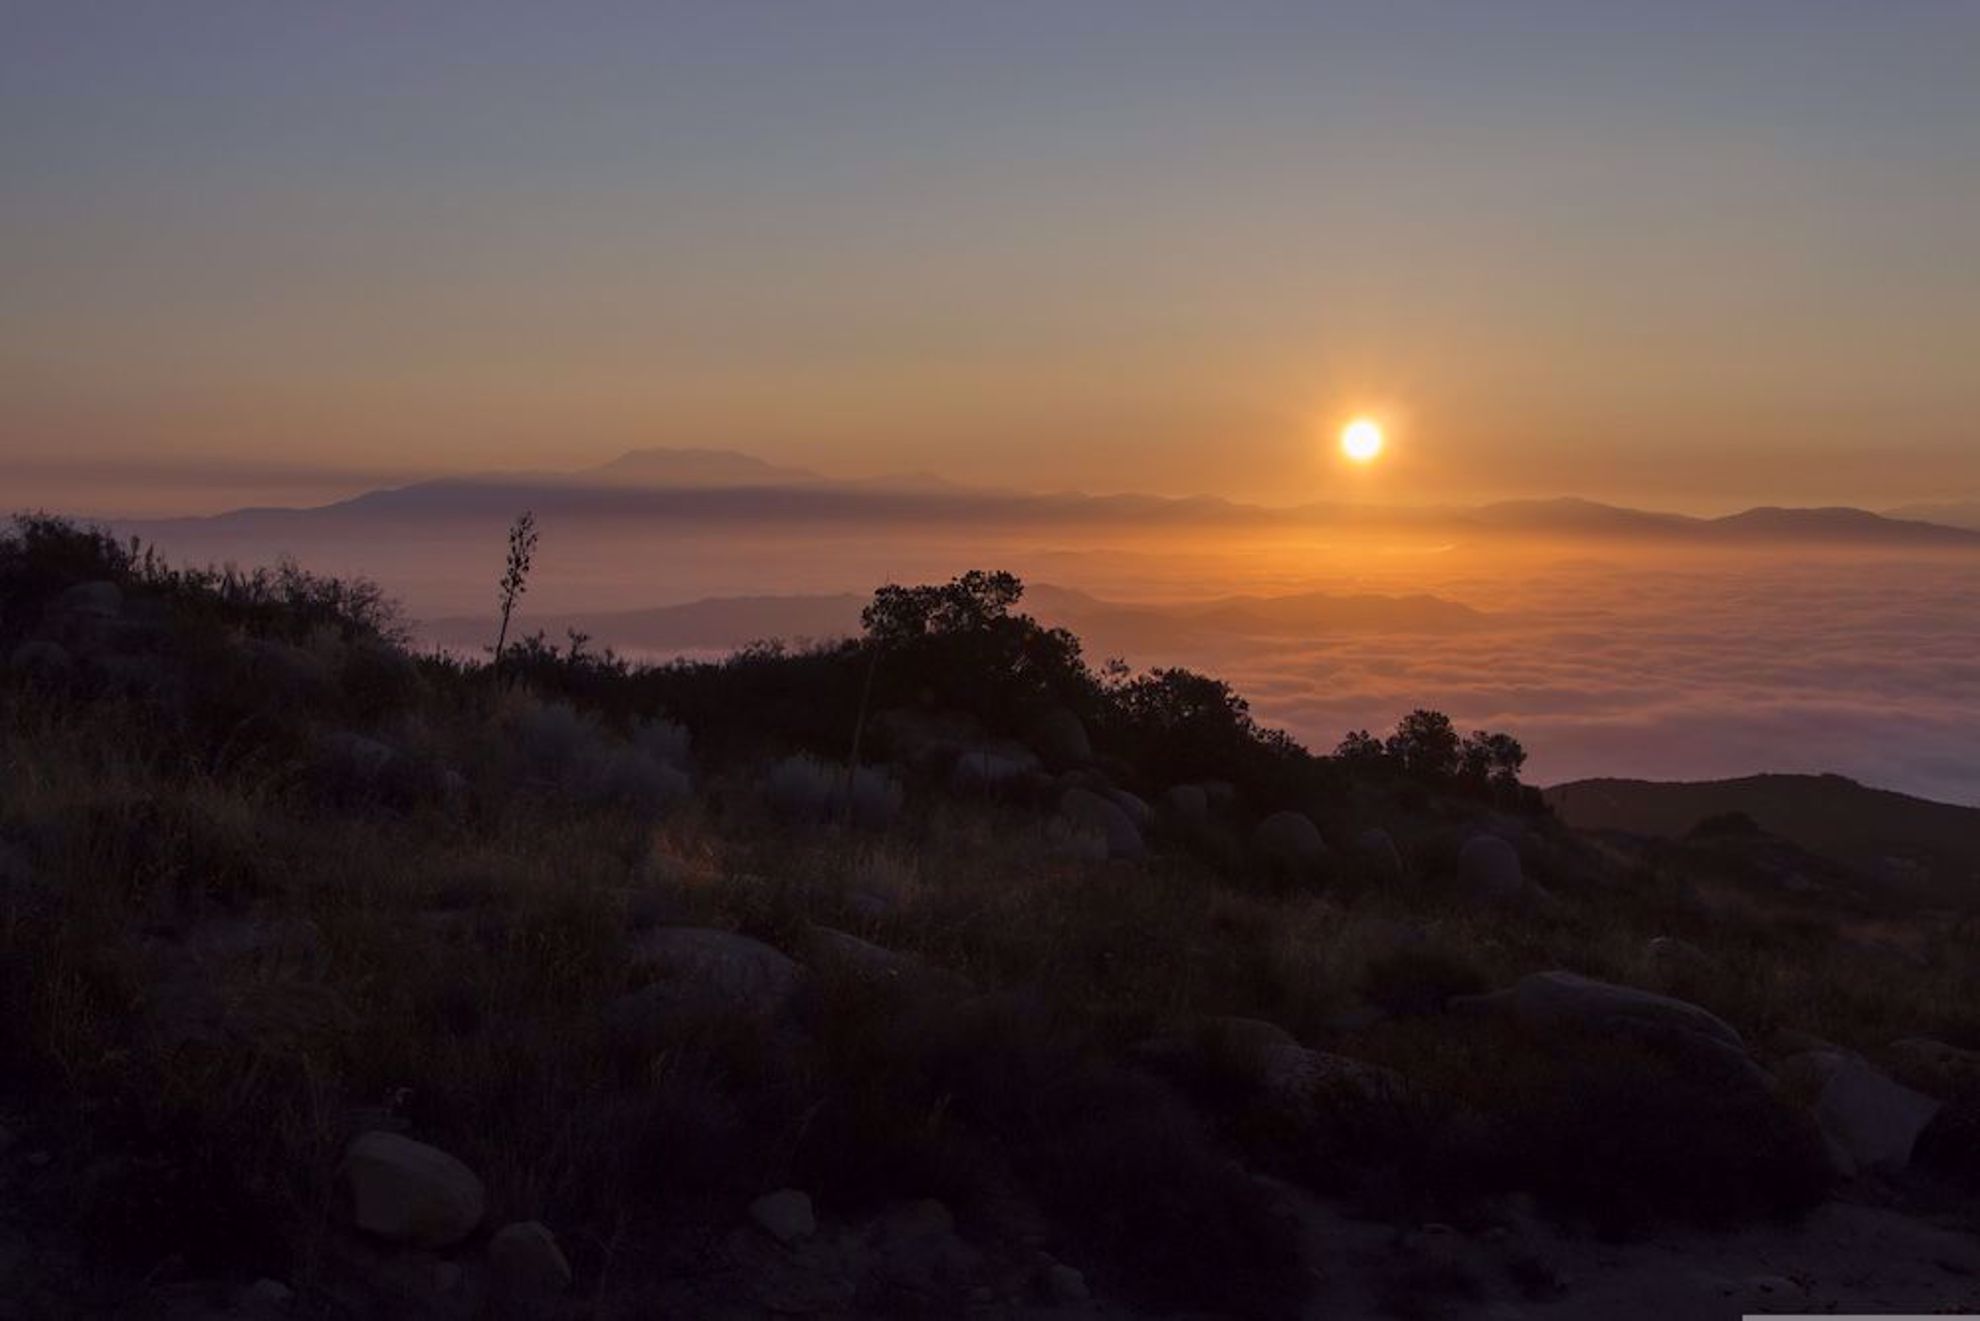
(663,466)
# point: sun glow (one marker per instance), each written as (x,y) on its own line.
(1361,440)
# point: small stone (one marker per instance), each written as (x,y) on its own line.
(1066,1285)
(923,1219)
(524,1261)
(785,1215)
(266,1297)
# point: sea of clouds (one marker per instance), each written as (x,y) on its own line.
(1867,668)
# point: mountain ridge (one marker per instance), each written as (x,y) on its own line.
(725,485)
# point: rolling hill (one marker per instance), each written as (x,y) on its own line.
(1885,834)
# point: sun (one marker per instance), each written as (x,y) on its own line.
(1361,440)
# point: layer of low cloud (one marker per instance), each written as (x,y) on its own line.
(1870,670)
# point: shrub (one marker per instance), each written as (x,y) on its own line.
(569,752)
(805,790)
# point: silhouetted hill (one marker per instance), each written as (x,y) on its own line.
(1591,518)
(698,468)
(1838,524)
(1571,514)
(1954,513)
(1886,834)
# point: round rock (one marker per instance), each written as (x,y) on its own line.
(785,1215)
(1290,840)
(411,1193)
(524,1261)
(1090,812)
(1490,870)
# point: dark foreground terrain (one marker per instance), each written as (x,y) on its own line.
(340,982)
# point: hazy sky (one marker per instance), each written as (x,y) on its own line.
(1693,255)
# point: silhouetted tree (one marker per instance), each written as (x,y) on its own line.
(959,644)
(1425,745)
(975,602)
(1492,759)
(1176,724)
(1361,748)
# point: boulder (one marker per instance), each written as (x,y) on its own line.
(42,660)
(1547,1001)
(1090,813)
(1210,1039)
(92,600)
(1950,1144)
(785,1215)
(867,962)
(1188,802)
(1934,1067)
(1871,1118)
(525,1264)
(1290,841)
(410,1193)
(1296,1078)
(1137,809)
(1490,871)
(1059,738)
(1805,1073)
(1671,956)
(699,973)
(1377,851)
(1265,1058)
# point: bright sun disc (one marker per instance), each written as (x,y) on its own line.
(1361,440)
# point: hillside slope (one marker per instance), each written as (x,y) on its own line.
(1889,835)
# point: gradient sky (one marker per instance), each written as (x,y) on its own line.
(1691,255)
